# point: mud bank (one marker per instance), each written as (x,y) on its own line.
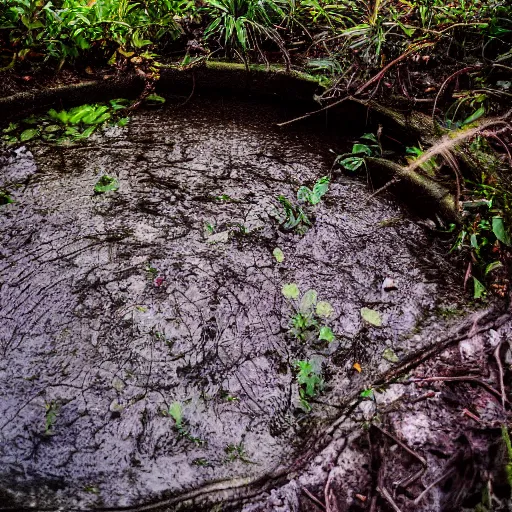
(114,306)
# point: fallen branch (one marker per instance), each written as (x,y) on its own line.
(312,497)
(467,378)
(425,187)
(305,116)
(500,373)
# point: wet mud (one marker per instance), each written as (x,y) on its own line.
(114,306)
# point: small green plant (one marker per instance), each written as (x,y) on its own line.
(278,255)
(5,198)
(412,153)
(152,271)
(294,217)
(314,196)
(202,462)
(50,417)
(485,232)
(367,394)
(310,382)
(175,411)
(306,325)
(355,160)
(237,452)
(70,125)
(106,184)
(242,25)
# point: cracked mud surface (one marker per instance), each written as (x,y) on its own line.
(114,306)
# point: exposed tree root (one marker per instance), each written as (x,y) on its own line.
(425,188)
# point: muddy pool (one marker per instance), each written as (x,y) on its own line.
(115,306)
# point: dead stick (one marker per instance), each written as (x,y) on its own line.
(433,484)
(314,112)
(384,187)
(385,494)
(480,382)
(500,372)
(313,498)
(417,359)
(403,445)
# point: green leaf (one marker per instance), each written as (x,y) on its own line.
(479,288)
(352,163)
(308,301)
(155,99)
(290,291)
(321,187)
(493,266)
(123,121)
(61,116)
(390,356)
(326,334)
(176,413)
(106,184)
(78,113)
(474,116)
(367,393)
(361,148)
(278,255)
(304,194)
(88,132)
(29,134)
(324,309)
(499,230)
(52,128)
(12,127)
(371,316)
(5,198)
(369,136)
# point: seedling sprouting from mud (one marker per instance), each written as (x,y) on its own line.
(5,198)
(202,462)
(50,417)
(106,184)
(314,196)
(310,382)
(306,324)
(226,395)
(152,271)
(175,411)
(293,217)
(209,228)
(237,452)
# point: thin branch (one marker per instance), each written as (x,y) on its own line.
(468,378)
(385,494)
(433,484)
(312,497)
(500,372)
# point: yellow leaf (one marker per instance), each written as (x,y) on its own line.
(357,367)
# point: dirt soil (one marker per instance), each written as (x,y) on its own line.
(113,306)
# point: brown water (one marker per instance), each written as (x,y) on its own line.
(87,332)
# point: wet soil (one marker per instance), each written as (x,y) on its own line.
(114,306)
